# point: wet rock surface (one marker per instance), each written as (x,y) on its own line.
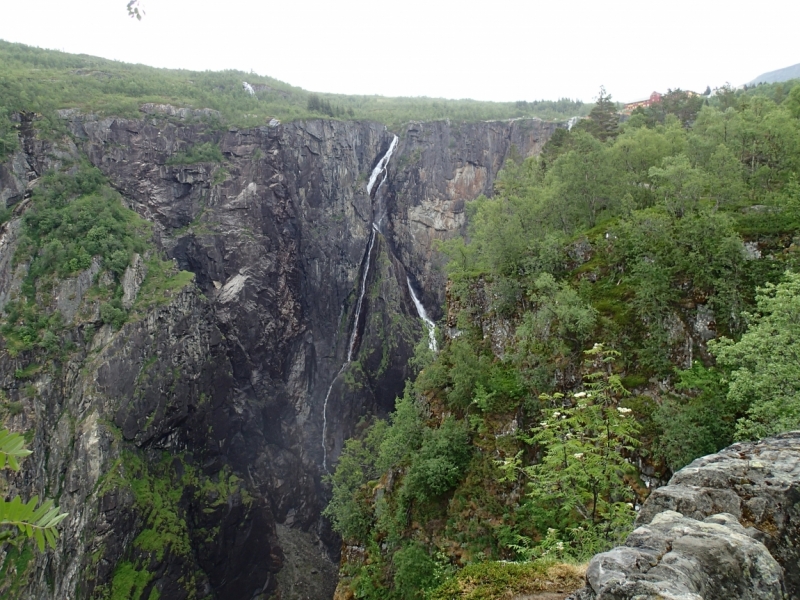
(726,526)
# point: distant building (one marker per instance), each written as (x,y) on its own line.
(654,98)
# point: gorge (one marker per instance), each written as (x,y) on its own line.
(274,344)
(287,315)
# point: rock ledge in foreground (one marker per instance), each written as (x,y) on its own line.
(726,526)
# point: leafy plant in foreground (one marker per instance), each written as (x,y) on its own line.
(583,476)
(31,522)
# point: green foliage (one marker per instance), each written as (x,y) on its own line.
(206,152)
(603,121)
(349,508)
(14,570)
(77,217)
(8,138)
(681,104)
(699,422)
(585,438)
(163,281)
(498,580)
(584,184)
(44,81)
(765,363)
(439,463)
(12,449)
(633,236)
(792,102)
(163,489)
(113,314)
(129,582)
(415,572)
(32,522)
(36,523)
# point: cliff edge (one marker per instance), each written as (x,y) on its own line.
(726,526)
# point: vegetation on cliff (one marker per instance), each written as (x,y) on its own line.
(523,439)
(44,81)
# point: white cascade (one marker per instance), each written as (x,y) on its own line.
(360,303)
(572,122)
(350,348)
(376,172)
(381,166)
(429,324)
(248,88)
(325,418)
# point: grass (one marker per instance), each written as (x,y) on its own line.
(503,581)
(199,153)
(163,281)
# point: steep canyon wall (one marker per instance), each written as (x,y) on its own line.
(187,446)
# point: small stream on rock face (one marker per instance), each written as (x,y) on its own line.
(429,324)
(379,169)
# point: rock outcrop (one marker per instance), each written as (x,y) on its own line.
(205,411)
(726,526)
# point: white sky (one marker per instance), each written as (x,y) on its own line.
(492,50)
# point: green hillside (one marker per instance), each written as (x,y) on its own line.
(33,79)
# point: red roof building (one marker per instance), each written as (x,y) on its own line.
(654,98)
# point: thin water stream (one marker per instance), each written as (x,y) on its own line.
(429,324)
(351,347)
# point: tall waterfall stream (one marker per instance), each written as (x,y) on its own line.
(376,172)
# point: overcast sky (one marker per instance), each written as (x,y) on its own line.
(490,50)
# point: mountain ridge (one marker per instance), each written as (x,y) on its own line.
(778,75)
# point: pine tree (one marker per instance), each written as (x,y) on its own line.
(603,121)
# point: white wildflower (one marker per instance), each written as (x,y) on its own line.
(580,395)
(543,423)
(579,455)
(622,410)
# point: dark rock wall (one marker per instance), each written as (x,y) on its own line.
(230,376)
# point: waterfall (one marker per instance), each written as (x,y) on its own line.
(429,324)
(351,347)
(381,166)
(325,418)
(354,333)
(248,88)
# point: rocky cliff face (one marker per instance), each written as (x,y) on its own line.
(439,167)
(187,447)
(726,526)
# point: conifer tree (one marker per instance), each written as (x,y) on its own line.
(603,121)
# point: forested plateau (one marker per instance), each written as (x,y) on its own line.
(212,287)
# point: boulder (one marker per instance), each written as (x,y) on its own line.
(681,558)
(726,526)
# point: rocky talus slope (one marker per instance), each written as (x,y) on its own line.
(727,526)
(187,445)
